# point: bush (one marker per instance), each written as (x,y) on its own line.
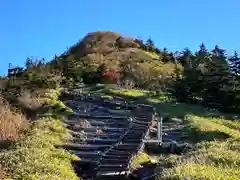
(29,100)
(11,122)
(110,77)
(127,43)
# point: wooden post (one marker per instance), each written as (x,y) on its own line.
(159,130)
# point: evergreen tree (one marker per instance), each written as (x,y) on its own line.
(165,55)
(202,55)
(234,64)
(140,42)
(29,63)
(217,80)
(186,86)
(150,45)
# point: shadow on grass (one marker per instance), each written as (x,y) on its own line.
(5,144)
(196,136)
(171,109)
(83,169)
(146,171)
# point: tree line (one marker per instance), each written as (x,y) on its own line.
(208,77)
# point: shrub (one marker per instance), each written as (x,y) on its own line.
(110,77)
(127,43)
(11,122)
(29,100)
(2,173)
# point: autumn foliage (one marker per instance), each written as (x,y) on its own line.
(110,77)
(11,122)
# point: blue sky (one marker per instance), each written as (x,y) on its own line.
(42,28)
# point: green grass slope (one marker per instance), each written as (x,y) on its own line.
(34,155)
(216,140)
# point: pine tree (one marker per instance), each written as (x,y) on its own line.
(165,56)
(150,45)
(202,55)
(234,64)
(187,87)
(29,63)
(217,80)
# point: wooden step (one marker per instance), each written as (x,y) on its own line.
(83,147)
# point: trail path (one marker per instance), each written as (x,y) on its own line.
(105,139)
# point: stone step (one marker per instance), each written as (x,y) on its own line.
(109,129)
(112,167)
(119,118)
(83,147)
(113,161)
(86,152)
(106,122)
(109,125)
(116,156)
(105,136)
(177,133)
(89,158)
(93,129)
(92,122)
(135,132)
(83,162)
(138,129)
(138,121)
(111,177)
(119,152)
(133,135)
(117,174)
(134,140)
(126,148)
(101,141)
(131,138)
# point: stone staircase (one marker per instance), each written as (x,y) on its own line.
(104,138)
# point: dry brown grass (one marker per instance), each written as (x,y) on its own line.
(3,174)
(11,122)
(30,100)
(3,83)
(30,103)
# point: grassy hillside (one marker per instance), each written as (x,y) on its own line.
(30,151)
(216,140)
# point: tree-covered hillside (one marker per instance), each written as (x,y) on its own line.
(209,77)
(143,65)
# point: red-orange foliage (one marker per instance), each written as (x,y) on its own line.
(110,77)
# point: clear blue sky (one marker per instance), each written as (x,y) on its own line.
(42,28)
